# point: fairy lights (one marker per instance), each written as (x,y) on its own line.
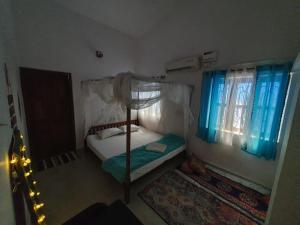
(31,193)
(38,206)
(27,174)
(14,160)
(23,149)
(26,162)
(21,166)
(41,219)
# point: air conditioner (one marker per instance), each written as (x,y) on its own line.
(190,63)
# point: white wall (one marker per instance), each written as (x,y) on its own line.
(8,55)
(54,38)
(241,31)
(285,199)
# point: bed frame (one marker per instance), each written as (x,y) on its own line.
(95,129)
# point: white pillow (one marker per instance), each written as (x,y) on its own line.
(109,132)
(133,128)
(156,147)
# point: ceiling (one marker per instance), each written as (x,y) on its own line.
(133,17)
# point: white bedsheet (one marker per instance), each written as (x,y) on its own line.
(116,145)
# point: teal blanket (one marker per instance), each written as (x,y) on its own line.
(140,157)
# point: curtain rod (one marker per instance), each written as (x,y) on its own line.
(140,78)
(165,80)
(251,64)
(104,78)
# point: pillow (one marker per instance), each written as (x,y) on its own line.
(197,165)
(109,132)
(156,147)
(133,128)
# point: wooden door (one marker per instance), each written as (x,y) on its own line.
(49,112)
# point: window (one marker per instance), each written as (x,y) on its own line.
(244,107)
(154,109)
(234,105)
(145,94)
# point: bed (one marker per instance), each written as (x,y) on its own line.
(121,154)
(110,148)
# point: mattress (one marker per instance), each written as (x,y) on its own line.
(116,145)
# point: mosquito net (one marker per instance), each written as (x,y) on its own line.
(160,105)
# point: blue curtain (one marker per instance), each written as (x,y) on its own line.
(270,92)
(211,97)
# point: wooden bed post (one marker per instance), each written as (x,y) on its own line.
(127,178)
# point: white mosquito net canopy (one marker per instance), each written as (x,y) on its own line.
(157,103)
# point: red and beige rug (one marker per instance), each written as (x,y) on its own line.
(210,199)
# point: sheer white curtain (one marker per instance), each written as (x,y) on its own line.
(235,106)
(151,117)
(99,104)
(162,107)
(171,114)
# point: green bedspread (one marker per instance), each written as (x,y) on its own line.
(140,157)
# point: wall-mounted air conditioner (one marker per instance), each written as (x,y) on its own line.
(190,64)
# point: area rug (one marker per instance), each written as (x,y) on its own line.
(249,200)
(57,160)
(180,202)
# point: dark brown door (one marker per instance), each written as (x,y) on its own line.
(49,112)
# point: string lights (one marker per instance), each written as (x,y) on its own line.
(31,194)
(38,206)
(14,159)
(27,174)
(21,165)
(41,218)
(23,149)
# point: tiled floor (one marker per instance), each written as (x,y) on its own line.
(68,189)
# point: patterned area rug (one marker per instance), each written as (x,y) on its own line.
(180,202)
(249,200)
(57,160)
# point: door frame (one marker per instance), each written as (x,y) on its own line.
(70,96)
